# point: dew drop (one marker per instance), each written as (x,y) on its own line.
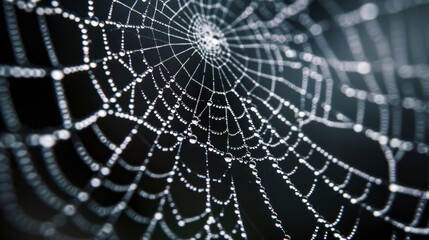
(193,139)
(228,157)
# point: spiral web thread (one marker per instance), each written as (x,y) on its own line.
(238,81)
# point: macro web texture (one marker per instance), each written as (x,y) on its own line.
(139,119)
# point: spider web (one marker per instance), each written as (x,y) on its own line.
(214,119)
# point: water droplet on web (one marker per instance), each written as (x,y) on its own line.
(47,140)
(193,139)
(210,147)
(57,75)
(158,216)
(82,196)
(95,21)
(69,210)
(95,182)
(195,120)
(228,157)
(180,138)
(252,164)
